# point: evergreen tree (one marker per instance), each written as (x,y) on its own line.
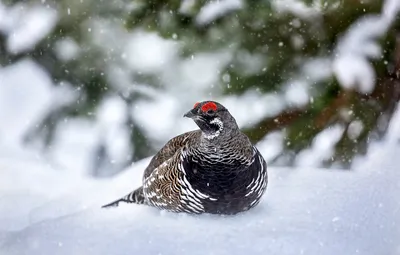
(275,47)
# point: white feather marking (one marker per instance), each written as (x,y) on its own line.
(180,165)
(196,192)
(220,125)
(196,208)
(251,183)
(255,201)
(258,183)
(201,195)
(191,197)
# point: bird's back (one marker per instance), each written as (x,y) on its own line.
(169,149)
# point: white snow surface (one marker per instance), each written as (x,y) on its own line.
(47,208)
(305,211)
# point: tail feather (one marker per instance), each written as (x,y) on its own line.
(135,196)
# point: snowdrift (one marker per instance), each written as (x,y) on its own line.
(305,211)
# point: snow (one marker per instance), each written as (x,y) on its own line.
(322,147)
(298,8)
(297,94)
(215,9)
(258,104)
(201,71)
(359,45)
(75,142)
(305,211)
(354,129)
(187,6)
(271,145)
(149,53)
(49,205)
(25,26)
(317,69)
(67,49)
(181,81)
(17,118)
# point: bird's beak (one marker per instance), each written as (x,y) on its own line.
(190,114)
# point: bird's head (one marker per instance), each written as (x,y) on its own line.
(212,118)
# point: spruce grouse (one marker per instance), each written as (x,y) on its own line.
(212,170)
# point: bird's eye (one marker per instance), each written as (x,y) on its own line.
(210,111)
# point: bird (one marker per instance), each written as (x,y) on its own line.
(214,169)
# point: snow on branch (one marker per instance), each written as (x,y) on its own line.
(215,9)
(359,44)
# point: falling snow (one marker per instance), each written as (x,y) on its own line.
(50,205)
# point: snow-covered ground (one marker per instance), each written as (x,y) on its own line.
(305,211)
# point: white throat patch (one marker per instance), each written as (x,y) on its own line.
(220,128)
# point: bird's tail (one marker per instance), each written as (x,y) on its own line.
(135,196)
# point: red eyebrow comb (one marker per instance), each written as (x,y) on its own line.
(209,106)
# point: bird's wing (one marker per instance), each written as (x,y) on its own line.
(259,178)
(168,188)
(161,166)
(169,150)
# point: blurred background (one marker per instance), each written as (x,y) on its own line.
(94,85)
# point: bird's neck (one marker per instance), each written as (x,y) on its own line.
(220,136)
(227,155)
(226,145)
(223,132)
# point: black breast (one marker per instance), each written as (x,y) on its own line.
(232,186)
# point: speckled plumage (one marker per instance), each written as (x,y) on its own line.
(212,170)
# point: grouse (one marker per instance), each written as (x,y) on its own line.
(215,169)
